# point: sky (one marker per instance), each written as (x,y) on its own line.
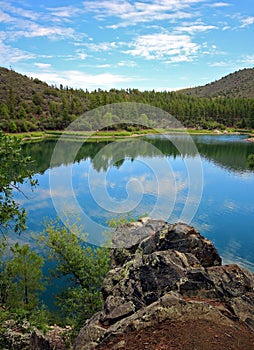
(143,44)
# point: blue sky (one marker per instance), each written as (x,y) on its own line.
(144,44)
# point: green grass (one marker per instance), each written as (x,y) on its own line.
(28,135)
(244,131)
(111,135)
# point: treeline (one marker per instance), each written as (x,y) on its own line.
(42,107)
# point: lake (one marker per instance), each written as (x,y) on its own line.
(207,185)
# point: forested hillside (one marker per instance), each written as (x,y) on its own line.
(28,104)
(237,84)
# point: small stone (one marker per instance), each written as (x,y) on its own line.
(120,345)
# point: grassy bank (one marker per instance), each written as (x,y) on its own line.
(112,135)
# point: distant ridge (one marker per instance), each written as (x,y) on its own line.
(237,84)
(29,104)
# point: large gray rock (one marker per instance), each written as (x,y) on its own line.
(144,279)
(155,235)
(162,272)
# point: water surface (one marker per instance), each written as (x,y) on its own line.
(151,176)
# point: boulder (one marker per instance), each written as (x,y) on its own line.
(161,271)
(155,235)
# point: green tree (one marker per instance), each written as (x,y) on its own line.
(14,170)
(107,120)
(11,102)
(66,118)
(22,113)
(4,116)
(4,278)
(20,283)
(83,265)
(24,270)
(13,126)
(144,121)
(251,117)
(53,109)
(4,111)
(37,99)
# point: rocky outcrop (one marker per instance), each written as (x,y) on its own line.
(23,337)
(161,271)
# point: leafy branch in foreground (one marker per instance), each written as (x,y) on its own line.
(83,266)
(14,171)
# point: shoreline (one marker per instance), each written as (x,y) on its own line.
(110,135)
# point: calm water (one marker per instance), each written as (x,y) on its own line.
(150,175)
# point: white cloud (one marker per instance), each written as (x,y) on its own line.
(17,11)
(103,46)
(2,36)
(140,11)
(247,22)
(249,59)
(32,30)
(106,65)
(219,64)
(82,56)
(42,65)
(79,79)
(180,58)
(5,18)
(108,8)
(9,55)
(137,18)
(219,4)
(64,11)
(127,64)
(26,23)
(163,46)
(195,28)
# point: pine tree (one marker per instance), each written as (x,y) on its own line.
(24,270)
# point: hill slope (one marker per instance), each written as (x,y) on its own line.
(16,87)
(28,104)
(237,84)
